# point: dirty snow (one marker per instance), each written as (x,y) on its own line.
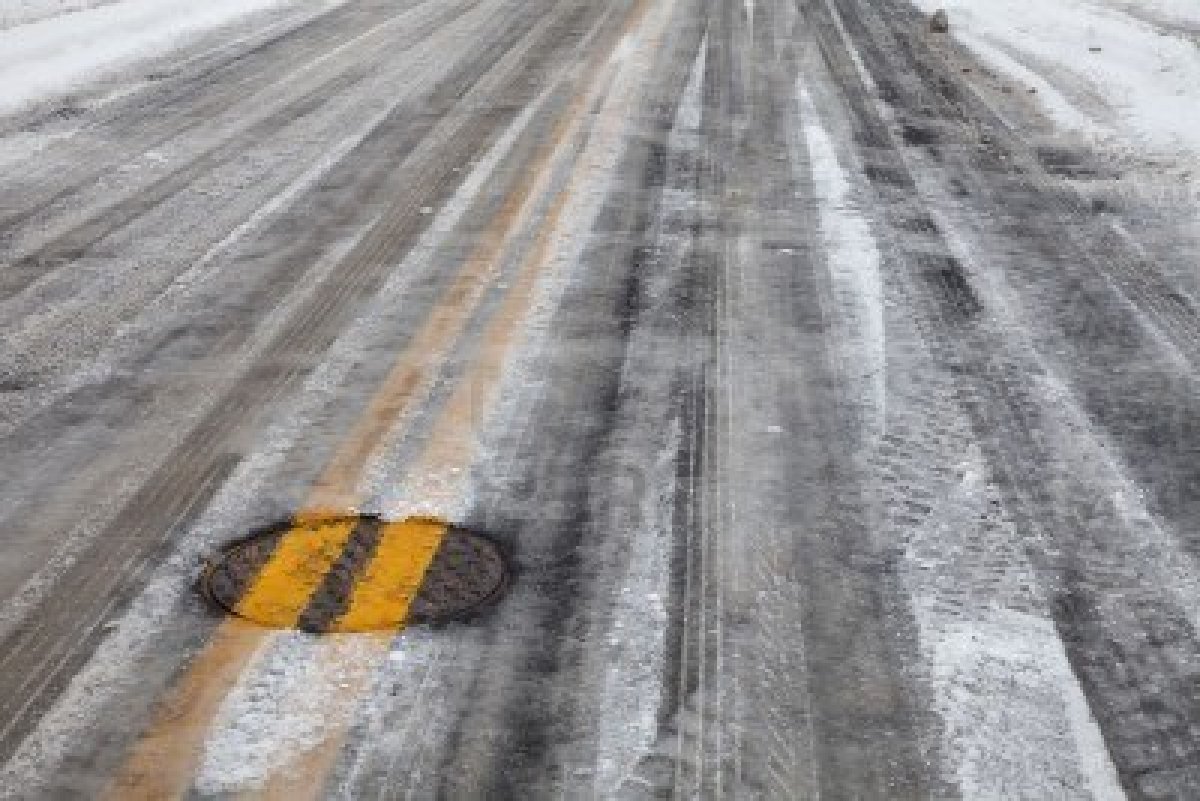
(1125,74)
(49,47)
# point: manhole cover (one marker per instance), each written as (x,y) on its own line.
(355,573)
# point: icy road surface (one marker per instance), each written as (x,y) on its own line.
(832,395)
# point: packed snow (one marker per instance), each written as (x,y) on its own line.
(48,47)
(1126,74)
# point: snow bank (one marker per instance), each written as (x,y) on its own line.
(69,42)
(20,12)
(1127,73)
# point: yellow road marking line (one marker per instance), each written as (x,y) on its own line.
(285,584)
(449,447)
(336,489)
(383,594)
(162,763)
(414,369)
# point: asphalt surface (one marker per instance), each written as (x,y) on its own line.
(836,419)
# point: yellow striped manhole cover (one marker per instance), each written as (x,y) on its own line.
(355,573)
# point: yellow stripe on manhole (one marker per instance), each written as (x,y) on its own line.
(283,587)
(387,587)
(355,573)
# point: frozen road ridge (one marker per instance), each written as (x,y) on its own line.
(564,399)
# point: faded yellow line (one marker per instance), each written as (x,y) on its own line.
(336,489)
(383,594)
(162,763)
(451,443)
(285,584)
(156,767)
(449,449)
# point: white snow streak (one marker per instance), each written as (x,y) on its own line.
(1011,704)
(854,260)
(634,645)
(1016,724)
